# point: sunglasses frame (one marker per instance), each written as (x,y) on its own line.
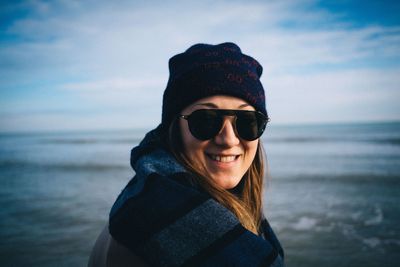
(229,112)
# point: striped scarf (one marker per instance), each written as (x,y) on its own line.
(167,220)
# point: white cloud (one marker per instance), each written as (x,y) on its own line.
(115,55)
(285,51)
(119,94)
(335,96)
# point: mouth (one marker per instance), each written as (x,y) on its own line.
(223,158)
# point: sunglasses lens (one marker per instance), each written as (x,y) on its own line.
(204,124)
(250,125)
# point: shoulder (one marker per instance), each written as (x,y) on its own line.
(107,252)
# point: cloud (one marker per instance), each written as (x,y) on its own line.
(107,37)
(304,50)
(104,55)
(335,96)
(120,93)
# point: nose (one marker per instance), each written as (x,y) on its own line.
(227,136)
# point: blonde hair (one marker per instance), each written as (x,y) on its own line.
(247,204)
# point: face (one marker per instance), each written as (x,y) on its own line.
(226,157)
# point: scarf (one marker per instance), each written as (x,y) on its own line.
(167,220)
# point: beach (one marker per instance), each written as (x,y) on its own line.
(331,195)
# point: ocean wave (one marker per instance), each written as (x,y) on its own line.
(17,164)
(90,141)
(351,232)
(372,242)
(273,139)
(304,224)
(331,139)
(376,219)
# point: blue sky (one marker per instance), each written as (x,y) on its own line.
(79,65)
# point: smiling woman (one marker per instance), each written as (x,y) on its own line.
(224,157)
(196,197)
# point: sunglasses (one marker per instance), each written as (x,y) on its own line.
(205,124)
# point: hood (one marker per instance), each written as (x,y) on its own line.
(152,155)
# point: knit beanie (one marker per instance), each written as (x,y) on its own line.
(206,70)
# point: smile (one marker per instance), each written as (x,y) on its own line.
(224,159)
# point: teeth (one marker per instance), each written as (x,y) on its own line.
(223,158)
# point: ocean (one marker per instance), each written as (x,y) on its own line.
(332,193)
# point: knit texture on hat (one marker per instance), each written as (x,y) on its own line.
(207,70)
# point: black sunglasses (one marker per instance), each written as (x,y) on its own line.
(205,124)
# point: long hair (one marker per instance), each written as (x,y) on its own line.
(245,204)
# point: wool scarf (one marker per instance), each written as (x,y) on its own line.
(165,218)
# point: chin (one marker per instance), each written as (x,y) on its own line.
(227,183)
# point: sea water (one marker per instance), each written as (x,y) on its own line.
(332,194)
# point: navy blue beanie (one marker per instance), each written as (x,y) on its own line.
(206,70)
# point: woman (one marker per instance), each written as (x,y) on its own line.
(196,198)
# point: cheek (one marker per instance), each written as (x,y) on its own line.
(191,146)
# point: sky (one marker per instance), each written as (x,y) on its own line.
(87,65)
